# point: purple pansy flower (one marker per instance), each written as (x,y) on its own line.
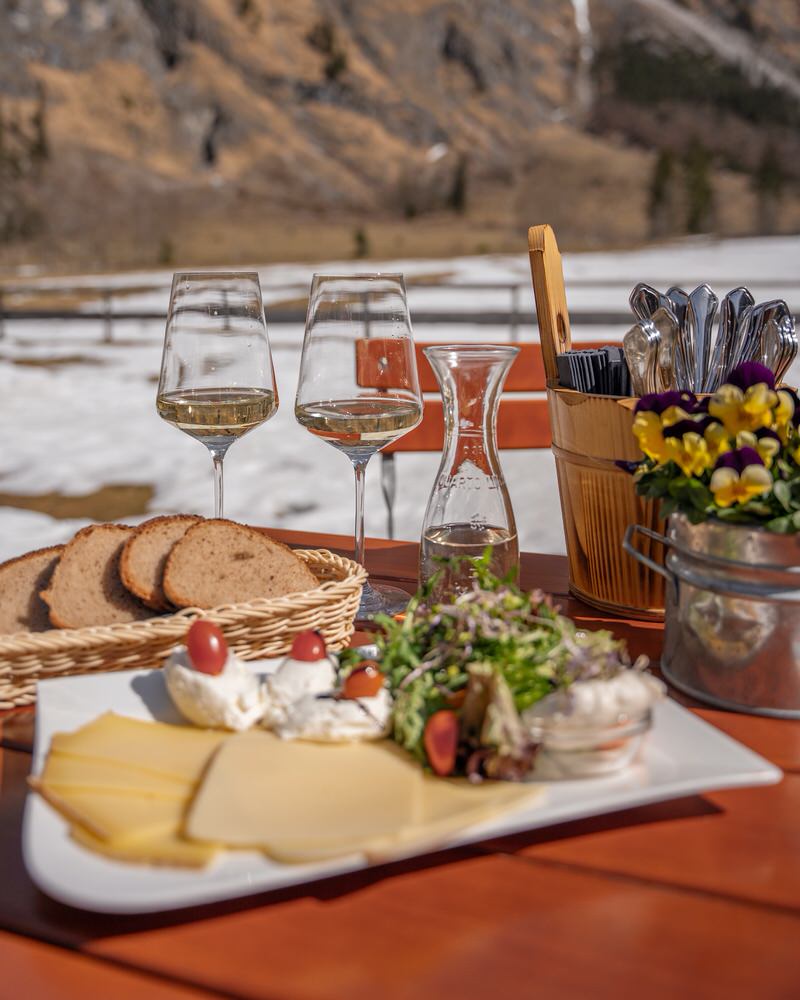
(657,402)
(796,401)
(750,373)
(687,426)
(739,459)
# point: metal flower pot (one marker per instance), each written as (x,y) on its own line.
(732,622)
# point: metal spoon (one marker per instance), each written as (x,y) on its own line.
(668,371)
(789,338)
(679,302)
(731,309)
(644,300)
(776,336)
(700,320)
(640,345)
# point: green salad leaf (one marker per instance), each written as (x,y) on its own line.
(495,626)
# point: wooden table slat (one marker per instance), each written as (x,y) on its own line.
(31,969)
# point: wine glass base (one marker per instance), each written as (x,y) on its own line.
(381,600)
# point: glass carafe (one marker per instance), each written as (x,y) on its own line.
(469,507)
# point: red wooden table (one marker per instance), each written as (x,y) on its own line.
(698,897)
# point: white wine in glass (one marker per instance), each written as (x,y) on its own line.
(358,387)
(217,380)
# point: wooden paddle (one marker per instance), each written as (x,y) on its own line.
(550,295)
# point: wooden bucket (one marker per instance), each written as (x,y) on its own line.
(590,433)
(598,502)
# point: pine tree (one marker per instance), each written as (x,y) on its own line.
(768,181)
(39,149)
(699,193)
(660,193)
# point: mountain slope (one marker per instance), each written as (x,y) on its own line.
(134,130)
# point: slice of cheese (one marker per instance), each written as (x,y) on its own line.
(448,806)
(260,791)
(118,818)
(303,802)
(174,751)
(66,773)
(161,849)
(441,809)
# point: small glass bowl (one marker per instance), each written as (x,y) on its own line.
(580,748)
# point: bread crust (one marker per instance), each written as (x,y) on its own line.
(184,596)
(34,598)
(120,607)
(151,596)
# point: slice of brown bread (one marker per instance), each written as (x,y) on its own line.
(21,579)
(222,562)
(86,588)
(141,565)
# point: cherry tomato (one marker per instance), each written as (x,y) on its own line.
(455,699)
(308,646)
(441,741)
(364,682)
(207,648)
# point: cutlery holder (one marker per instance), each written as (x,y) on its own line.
(590,433)
(598,502)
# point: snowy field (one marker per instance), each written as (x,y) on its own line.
(76,427)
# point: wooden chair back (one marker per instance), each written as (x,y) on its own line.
(521,422)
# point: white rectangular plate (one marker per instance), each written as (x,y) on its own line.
(682,755)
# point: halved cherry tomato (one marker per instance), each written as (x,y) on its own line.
(441,741)
(207,648)
(455,699)
(308,646)
(363,682)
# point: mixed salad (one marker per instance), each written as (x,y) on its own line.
(462,672)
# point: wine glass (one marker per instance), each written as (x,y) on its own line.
(358,388)
(217,380)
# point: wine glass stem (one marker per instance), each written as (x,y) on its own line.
(360,467)
(217,458)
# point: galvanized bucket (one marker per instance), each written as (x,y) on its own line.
(732,623)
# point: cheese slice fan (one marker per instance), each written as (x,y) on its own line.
(175,751)
(66,773)
(119,818)
(160,849)
(260,791)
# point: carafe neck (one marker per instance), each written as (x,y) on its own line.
(471,378)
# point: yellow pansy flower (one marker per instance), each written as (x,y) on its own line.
(729,487)
(690,453)
(673,415)
(717,439)
(743,411)
(783,414)
(767,447)
(647,429)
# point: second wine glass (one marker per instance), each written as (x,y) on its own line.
(217,380)
(358,388)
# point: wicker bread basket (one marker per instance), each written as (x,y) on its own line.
(264,627)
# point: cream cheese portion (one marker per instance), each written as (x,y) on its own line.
(336,720)
(301,705)
(233,699)
(606,702)
(292,681)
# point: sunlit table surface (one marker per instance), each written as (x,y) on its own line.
(697,897)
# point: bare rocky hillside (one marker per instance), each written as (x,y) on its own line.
(145,131)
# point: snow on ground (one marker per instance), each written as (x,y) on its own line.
(75,427)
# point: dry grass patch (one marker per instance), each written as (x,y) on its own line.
(67,359)
(106,504)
